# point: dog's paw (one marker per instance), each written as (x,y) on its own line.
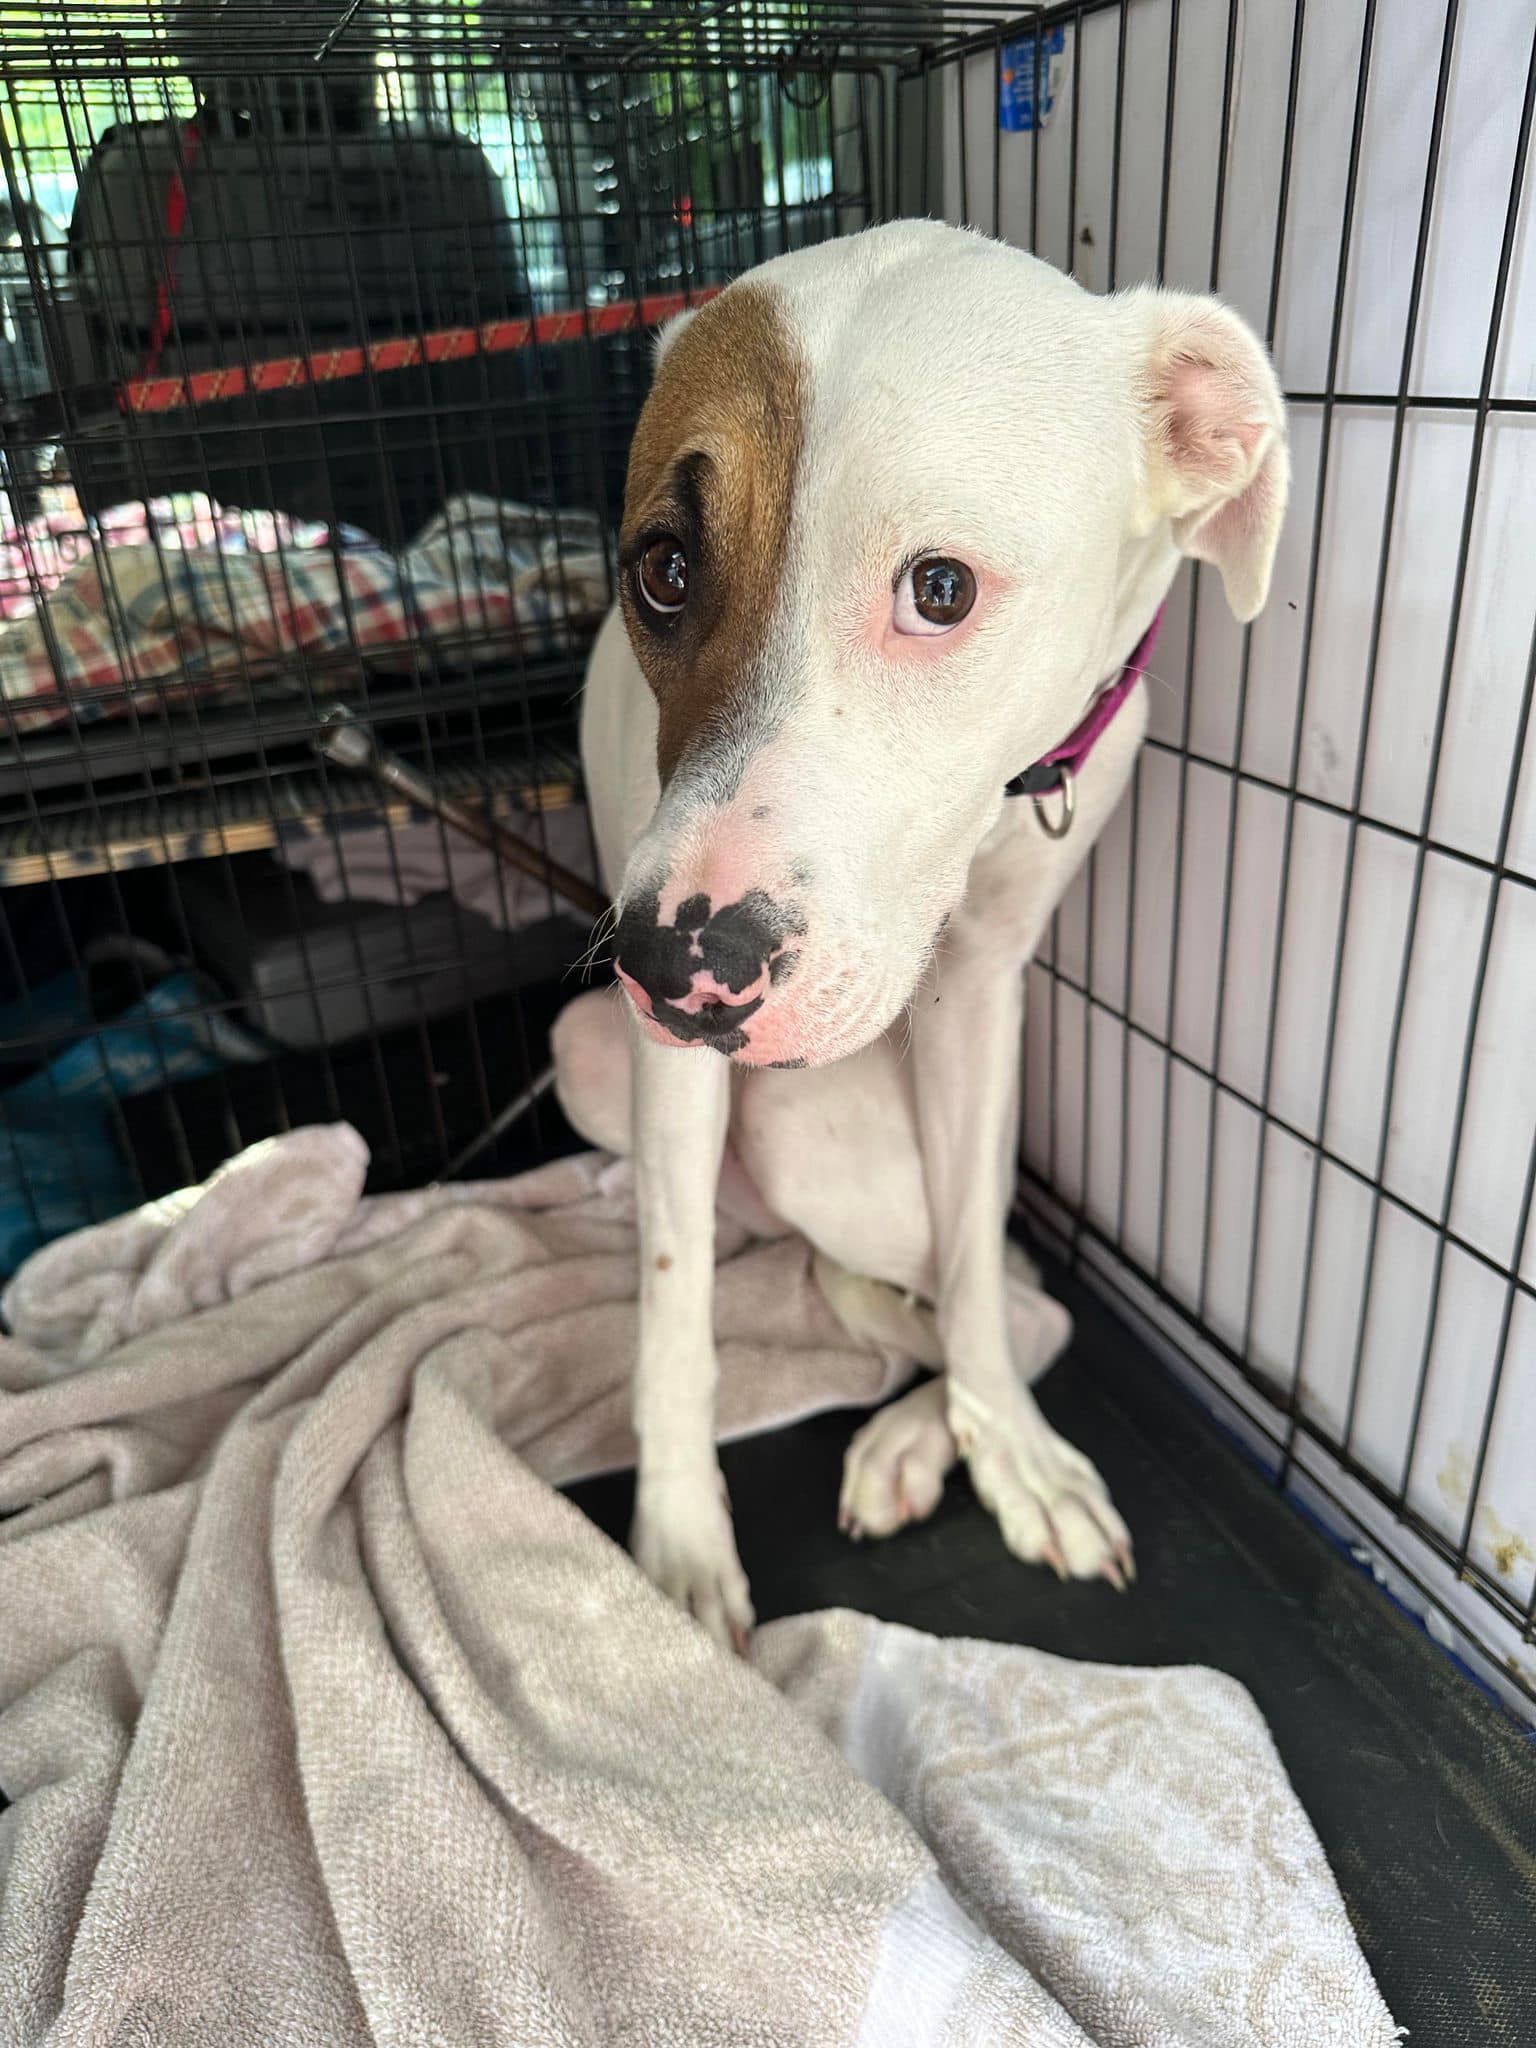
(895,1467)
(1051,1505)
(682,1540)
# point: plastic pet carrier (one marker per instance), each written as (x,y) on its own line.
(290,220)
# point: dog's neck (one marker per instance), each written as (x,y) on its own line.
(1065,762)
(1147,570)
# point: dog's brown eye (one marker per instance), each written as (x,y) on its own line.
(662,574)
(933,596)
(942,591)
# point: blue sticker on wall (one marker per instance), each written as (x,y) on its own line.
(1033,58)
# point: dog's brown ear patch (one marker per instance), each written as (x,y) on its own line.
(716,451)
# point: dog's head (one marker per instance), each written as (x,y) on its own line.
(896,505)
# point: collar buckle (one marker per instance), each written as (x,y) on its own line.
(1059,827)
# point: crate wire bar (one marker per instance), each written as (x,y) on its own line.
(1279,1104)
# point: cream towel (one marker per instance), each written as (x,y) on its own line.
(326,1721)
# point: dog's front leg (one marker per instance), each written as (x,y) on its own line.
(1052,1506)
(682,1531)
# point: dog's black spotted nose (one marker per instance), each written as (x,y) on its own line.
(715,1018)
(704,975)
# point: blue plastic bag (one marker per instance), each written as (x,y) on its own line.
(62,1160)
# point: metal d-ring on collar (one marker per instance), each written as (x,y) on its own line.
(1063,824)
(1057,771)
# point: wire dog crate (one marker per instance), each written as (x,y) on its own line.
(322,332)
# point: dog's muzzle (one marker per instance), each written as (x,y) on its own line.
(701,978)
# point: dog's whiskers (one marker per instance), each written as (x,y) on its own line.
(602,931)
(930,966)
(905,1018)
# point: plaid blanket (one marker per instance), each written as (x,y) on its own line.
(38,553)
(142,623)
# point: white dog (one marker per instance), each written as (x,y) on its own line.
(902,510)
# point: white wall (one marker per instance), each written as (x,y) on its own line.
(1221,1218)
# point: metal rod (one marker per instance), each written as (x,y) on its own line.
(347,742)
(502,1121)
(348,16)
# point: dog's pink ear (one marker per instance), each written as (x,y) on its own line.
(1216,461)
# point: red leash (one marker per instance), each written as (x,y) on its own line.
(149,393)
(175,221)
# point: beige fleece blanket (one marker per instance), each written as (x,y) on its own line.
(326,1721)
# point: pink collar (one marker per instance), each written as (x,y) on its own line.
(1059,769)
